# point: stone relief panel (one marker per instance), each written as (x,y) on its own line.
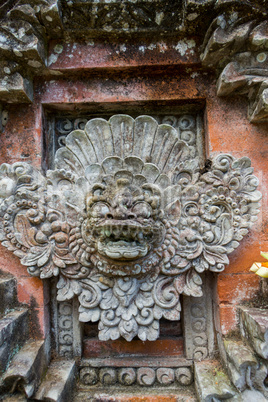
(127,221)
(141,376)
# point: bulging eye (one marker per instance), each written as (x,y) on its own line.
(99,210)
(142,209)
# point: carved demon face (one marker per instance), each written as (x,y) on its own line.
(124,223)
(125,235)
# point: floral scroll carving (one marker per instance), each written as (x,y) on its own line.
(127,221)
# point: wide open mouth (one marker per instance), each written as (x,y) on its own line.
(123,240)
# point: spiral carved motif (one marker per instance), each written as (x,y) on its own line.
(184,375)
(88,376)
(142,376)
(108,376)
(165,376)
(146,376)
(127,376)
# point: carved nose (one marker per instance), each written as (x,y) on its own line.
(119,213)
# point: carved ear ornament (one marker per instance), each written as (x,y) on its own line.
(127,221)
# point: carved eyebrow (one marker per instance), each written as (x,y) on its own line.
(96,198)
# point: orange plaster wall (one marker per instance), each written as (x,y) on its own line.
(228,130)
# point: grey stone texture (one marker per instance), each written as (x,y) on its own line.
(211,382)
(242,363)
(13,333)
(58,384)
(8,294)
(234,35)
(26,368)
(254,327)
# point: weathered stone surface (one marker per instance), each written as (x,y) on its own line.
(137,361)
(13,333)
(14,398)
(198,325)
(16,88)
(26,368)
(146,376)
(254,327)
(28,26)
(264,287)
(184,375)
(108,376)
(127,234)
(259,380)
(249,395)
(58,384)
(139,395)
(165,376)
(211,382)
(3,117)
(143,17)
(88,376)
(241,364)
(238,48)
(25,29)
(127,376)
(171,372)
(8,294)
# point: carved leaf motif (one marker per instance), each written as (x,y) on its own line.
(25,232)
(67,288)
(61,260)
(189,284)
(215,254)
(109,300)
(128,329)
(226,232)
(49,270)
(37,256)
(150,332)
(86,315)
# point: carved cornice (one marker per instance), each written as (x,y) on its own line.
(25,28)
(234,32)
(236,46)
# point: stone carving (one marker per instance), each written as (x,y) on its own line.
(65,328)
(127,376)
(127,221)
(235,41)
(25,30)
(143,376)
(185,126)
(236,45)
(199,344)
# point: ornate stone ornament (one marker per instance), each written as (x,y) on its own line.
(127,221)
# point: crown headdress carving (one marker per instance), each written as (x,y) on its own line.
(127,221)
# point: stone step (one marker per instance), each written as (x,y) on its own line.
(254,328)
(14,332)
(8,294)
(211,382)
(249,395)
(14,398)
(135,395)
(26,369)
(241,363)
(59,382)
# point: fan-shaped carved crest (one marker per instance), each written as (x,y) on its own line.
(127,221)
